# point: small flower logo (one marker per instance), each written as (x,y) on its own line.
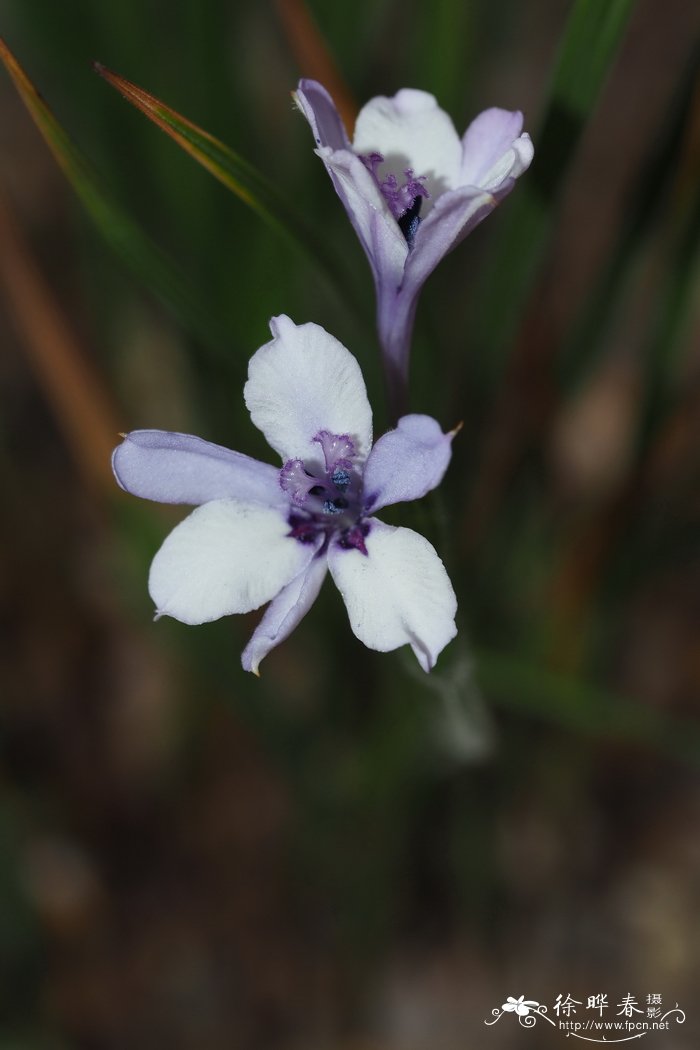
(521,1006)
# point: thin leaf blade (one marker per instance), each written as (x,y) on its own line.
(145,260)
(233,171)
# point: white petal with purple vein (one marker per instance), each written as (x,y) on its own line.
(398,593)
(226,557)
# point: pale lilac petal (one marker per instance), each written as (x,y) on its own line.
(226,557)
(319,109)
(178,468)
(368,211)
(494,149)
(407,462)
(454,216)
(302,382)
(398,593)
(370,215)
(411,131)
(285,612)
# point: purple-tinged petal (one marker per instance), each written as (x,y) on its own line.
(319,109)
(285,612)
(179,468)
(494,149)
(398,593)
(411,131)
(367,209)
(226,557)
(454,216)
(370,215)
(303,382)
(406,463)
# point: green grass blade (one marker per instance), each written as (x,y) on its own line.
(145,260)
(235,173)
(591,39)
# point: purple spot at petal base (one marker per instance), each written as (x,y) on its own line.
(303,529)
(354,538)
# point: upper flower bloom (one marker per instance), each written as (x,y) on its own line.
(412,189)
(264,534)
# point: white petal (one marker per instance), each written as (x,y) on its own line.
(302,382)
(398,593)
(226,557)
(284,613)
(411,131)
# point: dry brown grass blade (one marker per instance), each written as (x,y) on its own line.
(70,384)
(313,56)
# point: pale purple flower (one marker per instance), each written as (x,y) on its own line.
(264,534)
(412,190)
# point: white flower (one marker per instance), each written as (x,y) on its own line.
(264,534)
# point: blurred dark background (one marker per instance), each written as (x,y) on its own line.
(346,854)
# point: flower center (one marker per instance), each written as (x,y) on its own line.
(326,499)
(404,198)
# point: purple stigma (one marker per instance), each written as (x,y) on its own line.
(326,502)
(296,482)
(338,450)
(402,198)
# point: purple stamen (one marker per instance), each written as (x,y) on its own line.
(402,198)
(372,161)
(331,499)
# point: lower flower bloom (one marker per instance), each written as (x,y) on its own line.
(264,534)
